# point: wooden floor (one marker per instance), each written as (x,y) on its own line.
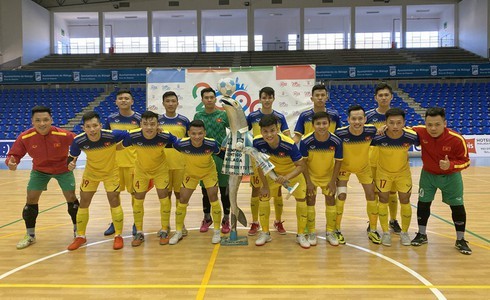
(196,269)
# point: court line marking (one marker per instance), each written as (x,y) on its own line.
(42,211)
(207,273)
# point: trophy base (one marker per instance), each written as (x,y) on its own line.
(234,240)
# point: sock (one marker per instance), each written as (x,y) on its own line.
(406,212)
(138,213)
(311,218)
(117,219)
(423,214)
(340,211)
(264,213)
(383,216)
(301,213)
(393,205)
(165,208)
(278,207)
(72,210)
(372,212)
(29,214)
(459,219)
(31,232)
(216,210)
(254,207)
(82,221)
(331,216)
(180,213)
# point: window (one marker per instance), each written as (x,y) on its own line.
(292,42)
(84,45)
(422,39)
(225,43)
(178,43)
(128,45)
(258,40)
(373,40)
(321,41)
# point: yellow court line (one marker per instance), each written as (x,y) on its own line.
(241,286)
(207,274)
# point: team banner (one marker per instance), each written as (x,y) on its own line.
(72,76)
(292,85)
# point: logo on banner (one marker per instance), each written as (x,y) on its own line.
(474,70)
(470,144)
(352,71)
(392,70)
(433,70)
(37,76)
(76,76)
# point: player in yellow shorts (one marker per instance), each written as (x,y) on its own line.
(197,151)
(356,140)
(124,119)
(100,147)
(289,166)
(393,172)
(177,125)
(323,154)
(151,164)
(266,97)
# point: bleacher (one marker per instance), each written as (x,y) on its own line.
(256,58)
(467,107)
(15,104)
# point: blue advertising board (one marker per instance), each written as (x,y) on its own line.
(72,76)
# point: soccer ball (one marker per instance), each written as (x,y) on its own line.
(226,87)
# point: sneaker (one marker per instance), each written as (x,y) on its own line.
(118,242)
(279,227)
(225,227)
(340,237)
(138,239)
(216,236)
(26,242)
(184,231)
(254,228)
(302,241)
(264,237)
(395,227)
(374,237)
(462,246)
(77,243)
(332,239)
(205,225)
(135,231)
(312,238)
(110,230)
(405,239)
(419,239)
(164,239)
(175,238)
(386,239)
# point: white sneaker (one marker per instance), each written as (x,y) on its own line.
(332,239)
(302,241)
(312,238)
(216,237)
(175,238)
(386,239)
(405,239)
(264,237)
(26,242)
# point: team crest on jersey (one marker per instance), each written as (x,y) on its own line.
(406,144)
(57,145)
(207,151)
(282,154)
(446,148)
(107,144)
(368,138)
(179,123)
(331,148)
(160,144)
(134,122)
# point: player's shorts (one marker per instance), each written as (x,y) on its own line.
(142,180)
(38,181)
(126,175)
(222,178)
(323,184)
(176,176)
(373,172)
(365,176)
(299,193)
(389,182)
(208,180)
(111,183)
(451,186)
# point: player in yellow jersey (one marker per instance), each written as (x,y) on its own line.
(267,97)
(323,154)
(393,172)
(151,164)
(383,95)
(100,147)
(356,140)
(124,119)
(177,125)
(197,151)
(289,166)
